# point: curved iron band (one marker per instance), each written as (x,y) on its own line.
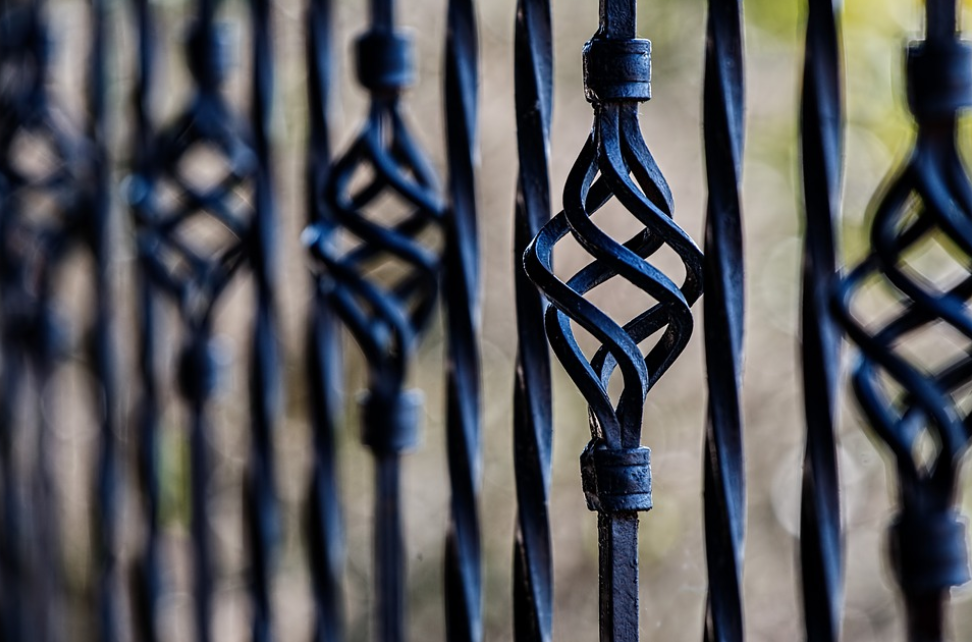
(385,321)
(725,480)
(933,194)
(616,151)
(821,538)
(532,421)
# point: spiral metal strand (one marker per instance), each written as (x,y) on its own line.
(821,539)
(725,482)
(463,556)
(912,401)
(615,162)
(325,524)
(383,283)
(532,421)
(168,200)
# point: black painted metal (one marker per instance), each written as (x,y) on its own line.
(906,401)
(325,525)
(383,241)
(615,162)
(463,554)
(821,540)
(532,421)
(386,316)
(166,200)
(725,482)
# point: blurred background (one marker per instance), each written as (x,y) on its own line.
(878,135)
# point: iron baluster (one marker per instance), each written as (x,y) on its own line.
(821,539)
(463,555)
(324,358)
(615,467)
(725,481)
(913,405)
(47,211)
(167,199)
(532,421)
(385,314)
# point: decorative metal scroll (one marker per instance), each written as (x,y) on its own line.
(49,207)
(916,405)
(532,422)
(325,525)
(386,311)
(460,281)
(821,541)
(169,202)
(725,481)
(615,162)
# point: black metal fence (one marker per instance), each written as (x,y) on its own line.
(192,206)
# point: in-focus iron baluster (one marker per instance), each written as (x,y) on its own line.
(615,162)
(821,538)
(463,556)
(325,523)
(167,198)
(725,481)
(385,314)
(917,407)
(532,421)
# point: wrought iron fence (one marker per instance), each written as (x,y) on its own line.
(190,205)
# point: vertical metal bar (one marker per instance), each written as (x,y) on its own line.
(324,356)
(264,367)
(108,492)
(821,126)
(618,19)
(147,579)
(725,474)
(532,402)
(941,19)
(463,556)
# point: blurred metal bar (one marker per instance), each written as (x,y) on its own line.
(325,524)
(821,128)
